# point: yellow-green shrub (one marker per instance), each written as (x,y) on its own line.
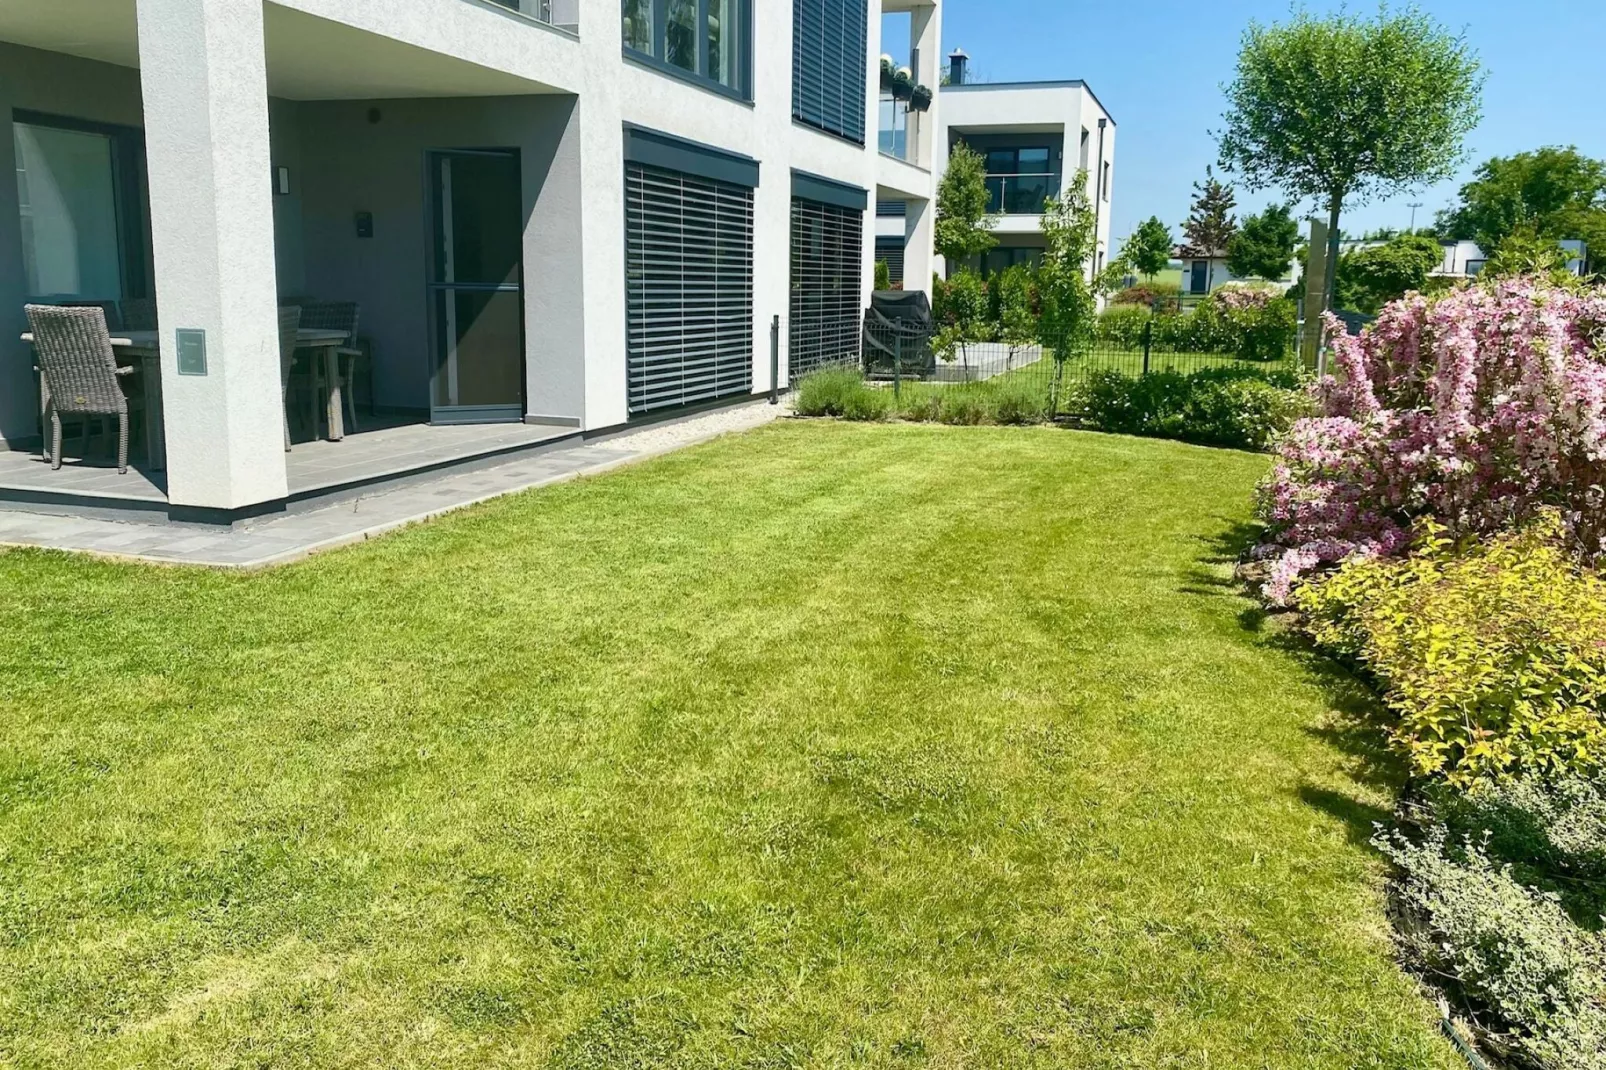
(1491,656)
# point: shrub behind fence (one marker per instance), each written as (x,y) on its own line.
(1130,346)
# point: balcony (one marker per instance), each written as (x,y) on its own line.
(899,135)
(561,14)
(1020,194)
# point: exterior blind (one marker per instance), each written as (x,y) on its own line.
(827,264)
(830,65)
(689,267)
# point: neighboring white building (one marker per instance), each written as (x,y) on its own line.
(1462,259)
(1034,136)
(567,213)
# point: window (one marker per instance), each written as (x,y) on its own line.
(638,26)
(689,283)
(827,266)
(1082,156)
(892,250)
(708,41)
(1106,183)
(723,53)
(84,232)
(830,72)
(1001,258)
(1020,179)
(680,35)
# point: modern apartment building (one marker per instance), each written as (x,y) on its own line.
(564,215)
(1033,137)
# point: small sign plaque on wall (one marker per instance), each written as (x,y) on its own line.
(191,351)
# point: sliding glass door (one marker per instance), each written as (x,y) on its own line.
(81,201)
(476,288)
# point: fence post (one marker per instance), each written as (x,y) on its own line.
(1148,342)
(775,361)
(897,366)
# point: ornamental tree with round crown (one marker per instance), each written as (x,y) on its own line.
(1340,109)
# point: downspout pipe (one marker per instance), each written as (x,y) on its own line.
(1098,197)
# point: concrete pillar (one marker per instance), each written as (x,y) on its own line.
(206,135)
(925,47)
(919,251)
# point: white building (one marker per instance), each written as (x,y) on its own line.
(1033,137)
(1465,259)
(561,214)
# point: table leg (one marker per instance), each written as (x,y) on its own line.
(155,424)
(312,390)
(337,413)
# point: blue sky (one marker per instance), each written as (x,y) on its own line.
(1158,66)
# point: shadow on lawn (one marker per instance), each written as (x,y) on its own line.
(1356,725)
(1360,818)
(1214,570)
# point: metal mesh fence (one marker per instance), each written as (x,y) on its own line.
(897,355)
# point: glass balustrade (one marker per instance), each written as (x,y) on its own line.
(1020,194)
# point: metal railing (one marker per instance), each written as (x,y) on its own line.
(563,14)
(1020,194)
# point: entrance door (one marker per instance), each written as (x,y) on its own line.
(476,288)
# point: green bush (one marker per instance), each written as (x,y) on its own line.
(1551,831)
(1236,407)
(1249,324)
(846,395)
(1016,402)
(867,403)
(964,406)
(1150,295)
(920,403)
(825,393)
(1512,951)
(1491,657)
(1122,325)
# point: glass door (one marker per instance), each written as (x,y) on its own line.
(476,288)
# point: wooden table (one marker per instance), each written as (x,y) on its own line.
(143,348)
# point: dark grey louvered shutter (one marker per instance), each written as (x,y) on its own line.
(689,267)
(830,57)
(827,264)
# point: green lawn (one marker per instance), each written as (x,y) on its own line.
(830,745)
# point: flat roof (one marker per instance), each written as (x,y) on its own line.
(1072,83)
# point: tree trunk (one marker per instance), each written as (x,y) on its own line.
(1332,253)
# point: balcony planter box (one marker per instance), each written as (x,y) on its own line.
(903,85)
(919,98)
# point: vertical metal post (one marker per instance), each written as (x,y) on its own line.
(775,361)
(897,366)
(1148,342)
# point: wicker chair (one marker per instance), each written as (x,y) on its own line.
(337,316)
(289,324)
(114,317)
(79,373)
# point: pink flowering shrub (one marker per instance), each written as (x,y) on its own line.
(1476,409)
(1245,298)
